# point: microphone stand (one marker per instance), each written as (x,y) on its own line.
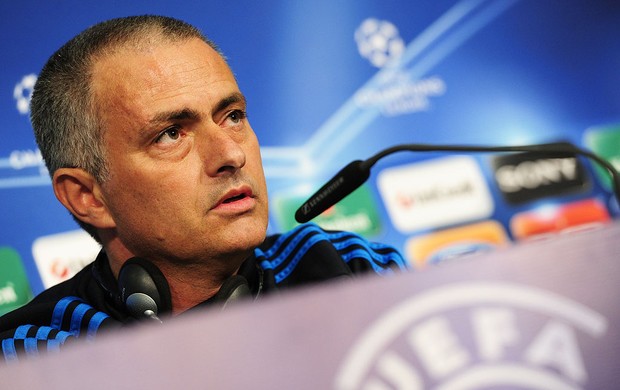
(357,172)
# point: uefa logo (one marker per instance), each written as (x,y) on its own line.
(476,335)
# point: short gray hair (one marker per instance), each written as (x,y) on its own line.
(63,112)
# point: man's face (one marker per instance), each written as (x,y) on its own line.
(186,181)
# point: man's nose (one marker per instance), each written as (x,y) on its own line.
(221,153)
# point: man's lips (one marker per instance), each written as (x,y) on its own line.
(237,199)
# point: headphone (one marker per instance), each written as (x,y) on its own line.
(145,293)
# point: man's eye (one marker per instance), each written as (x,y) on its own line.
(237,116)
(168,135)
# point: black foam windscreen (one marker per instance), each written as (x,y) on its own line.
(144,289)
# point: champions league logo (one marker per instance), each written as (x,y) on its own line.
(393,91)
(23,92)
(378,41)
(476,336)
(23,167)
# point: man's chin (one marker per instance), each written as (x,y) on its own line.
(245,236)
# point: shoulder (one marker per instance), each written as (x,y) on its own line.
(51,319)
(40,308)
(315,250)
(48,326)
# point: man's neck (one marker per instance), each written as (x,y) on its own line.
(190,284)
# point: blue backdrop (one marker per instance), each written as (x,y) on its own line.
(332,81)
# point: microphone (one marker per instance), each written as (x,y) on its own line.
(341,185)
(357,172)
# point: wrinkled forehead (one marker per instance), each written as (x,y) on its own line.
(136,84)
(134,65)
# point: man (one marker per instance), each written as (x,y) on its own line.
(144,132)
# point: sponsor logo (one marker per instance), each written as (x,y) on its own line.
(551,220)
(455,243)
(435,193)
(60,256)
(605,142)
(477,335)
(22,93)
(525,177)
(8,295)
(14,286)
(357,213)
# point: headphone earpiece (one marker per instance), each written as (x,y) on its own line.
(143,289)
(145,293)
(233,288)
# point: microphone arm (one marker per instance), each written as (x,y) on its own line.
(357,172)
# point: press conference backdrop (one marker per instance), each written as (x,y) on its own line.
(332,81)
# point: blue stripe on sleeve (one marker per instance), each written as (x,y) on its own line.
(94,324)
(298,234)
(43,332)
(30,346)
(8,349)
(53,345)
(59,311)
(21,332)
(372,249)
(77,316)
(378,265)
(280,276)
(373,255)
(62,336)
(359,248)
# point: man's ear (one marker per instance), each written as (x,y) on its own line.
(80,193)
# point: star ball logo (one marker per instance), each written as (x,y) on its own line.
(22,93)
(379,41)
(475,336)
(393,91)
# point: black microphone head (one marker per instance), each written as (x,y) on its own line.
(143,288)
(342,184)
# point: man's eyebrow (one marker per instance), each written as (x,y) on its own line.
(170,116)
(190,114)
(235,97)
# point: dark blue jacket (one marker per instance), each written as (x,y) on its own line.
(90,302)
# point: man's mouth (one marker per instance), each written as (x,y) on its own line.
(234,198)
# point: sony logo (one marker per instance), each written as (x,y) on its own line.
(524,177)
